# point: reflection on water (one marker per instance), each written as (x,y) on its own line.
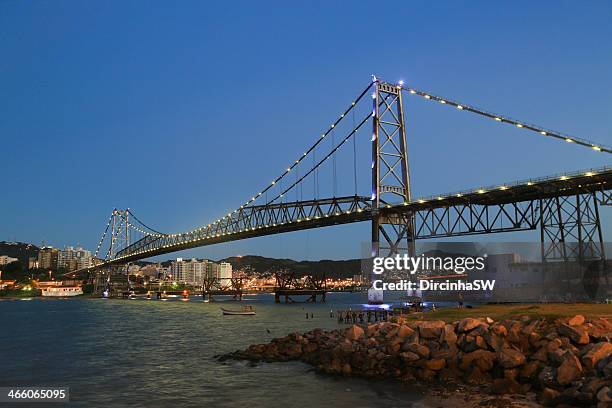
(160,353)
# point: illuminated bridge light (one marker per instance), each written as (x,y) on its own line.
(421,201)
(388,206)
(503,188)
(427,97)
(498,119)
(597,148)
(405,203)
(442,101)
(589,174)
(568,140)
(359,210)
(412,91)
(459,195)
(459,107)
(439,198)
(529,183)
(481,191)
(563,178)
(543,133)
(519,125)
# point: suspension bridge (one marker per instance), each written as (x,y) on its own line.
(565,208)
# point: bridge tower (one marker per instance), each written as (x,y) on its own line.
(392,232)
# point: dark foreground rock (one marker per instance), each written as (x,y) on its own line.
(568,363)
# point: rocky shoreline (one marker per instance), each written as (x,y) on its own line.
(564,363)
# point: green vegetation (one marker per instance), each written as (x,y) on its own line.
(506,311)
(27,291)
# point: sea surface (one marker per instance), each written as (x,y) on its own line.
(154,353)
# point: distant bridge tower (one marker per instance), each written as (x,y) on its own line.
(392,231)
(120,232)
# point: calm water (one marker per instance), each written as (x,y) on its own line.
(160,353)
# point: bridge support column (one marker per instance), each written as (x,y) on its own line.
(572,245)
(570,228)
(392,234)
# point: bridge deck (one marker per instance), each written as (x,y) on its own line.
(271,219)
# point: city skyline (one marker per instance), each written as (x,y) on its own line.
(159,115)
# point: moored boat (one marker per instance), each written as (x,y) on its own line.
(61,291)
(246,311)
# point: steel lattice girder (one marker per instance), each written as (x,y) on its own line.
(571,228)
(470,219)
(434,225)
(256,221)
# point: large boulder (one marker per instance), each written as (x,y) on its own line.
(431,329)
(354,333)
(577,320)
(597,352)
(419,349)
(467,324)
(577,334)
(569,370)
(404,331)
(448,336)
(435,364)
(510,358)
(409,356)
(482,359)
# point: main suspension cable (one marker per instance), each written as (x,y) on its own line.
(500,118)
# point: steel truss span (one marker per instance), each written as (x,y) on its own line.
(565,207)
(511,207)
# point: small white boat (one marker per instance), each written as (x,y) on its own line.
(62,291)
(246,311)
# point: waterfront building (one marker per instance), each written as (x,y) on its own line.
(47,258)
(212,270)
(190,272)
(225,271)
(72,258)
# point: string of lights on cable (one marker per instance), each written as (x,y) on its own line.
(505,119)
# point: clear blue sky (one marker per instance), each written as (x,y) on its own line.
(181,111)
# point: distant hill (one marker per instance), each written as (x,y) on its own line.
(20,250)
(263,265)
